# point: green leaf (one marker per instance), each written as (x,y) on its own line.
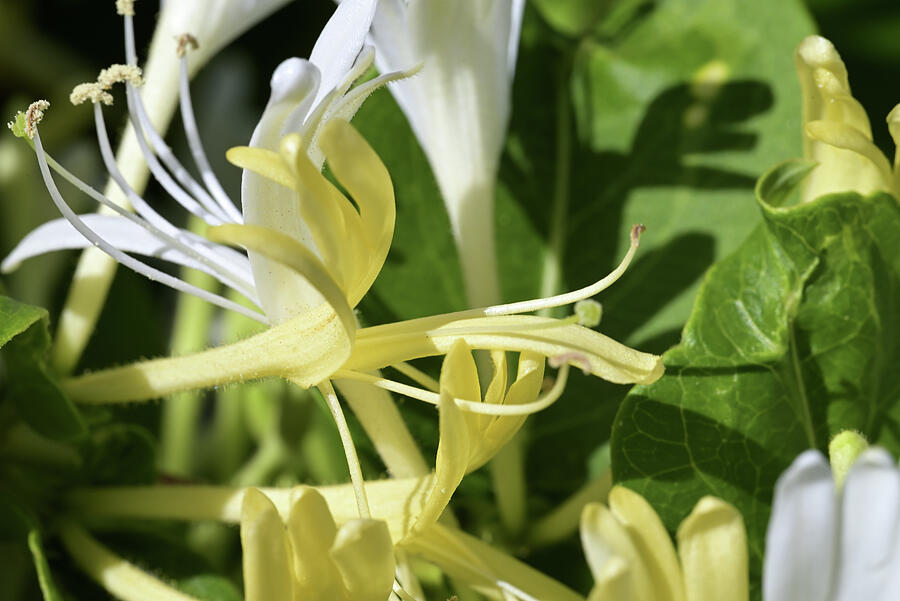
(31,383)
(793,338)
(210,587)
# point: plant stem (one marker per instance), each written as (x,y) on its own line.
(120,578)
(562,521)
(181,411)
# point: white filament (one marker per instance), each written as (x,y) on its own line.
(130,262)
(193,137)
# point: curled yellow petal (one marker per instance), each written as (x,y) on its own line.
(311,531)
(455,438)
(604,538)
(364,555)
(712,544)
(289,252)
(842,142)
(652,541)
(365,177)
(613,582)
(267,569)
(264,162)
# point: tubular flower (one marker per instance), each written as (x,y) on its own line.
(311,253)
(831,543)
(631,555)
(307,556)
(836,130)
(458,107)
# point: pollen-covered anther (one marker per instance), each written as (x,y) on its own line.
(125,7)
(119,73)
(33,116)
(636,231)
(92,91)
(185,42)
(579,359)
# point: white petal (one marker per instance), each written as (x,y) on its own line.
(870,513)
(459,104)
(515,28)
(293,84)
(800,540)
(340,42)
(214,23)
(128,237)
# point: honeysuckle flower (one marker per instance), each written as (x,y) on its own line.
(631,555)
(312,253)
(310,542)
(214,23)
(836,130)
(826,543)
(309,556)
(458,107)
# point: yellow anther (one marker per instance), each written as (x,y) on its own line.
(125,7)
(185,40)
(33,116)
(90,91)
(119,73)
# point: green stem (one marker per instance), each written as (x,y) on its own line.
(181,411)
(24,445)
(551,280)
(266,460)
(119,577)
(508,479)
(564,520)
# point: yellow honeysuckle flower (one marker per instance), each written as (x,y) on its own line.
(632,557)
(309,556)
(836,130)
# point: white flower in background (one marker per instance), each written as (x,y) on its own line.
(215,23)
(458,107)
(829,544)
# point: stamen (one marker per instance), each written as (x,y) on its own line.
(576,295)
(33,116)
(125,7)
(356,476)
(130,52)
(120,74)
(184,41)
(224,271)
(127,260)
(194,191)
(92,92)
(541,403)
(192,133)
(161,175)
(417,376)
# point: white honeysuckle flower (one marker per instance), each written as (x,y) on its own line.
(830,544)
(298,84)
(458,107)
(214,23)
(312,254)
